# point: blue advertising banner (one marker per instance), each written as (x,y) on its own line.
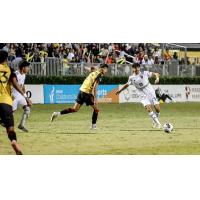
(55,94)
(60,93)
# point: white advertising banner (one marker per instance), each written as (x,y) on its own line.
(35,92)
(179,93)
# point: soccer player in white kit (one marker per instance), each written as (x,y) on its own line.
(19,100)
(145,91)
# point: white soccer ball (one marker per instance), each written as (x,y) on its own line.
(168,128)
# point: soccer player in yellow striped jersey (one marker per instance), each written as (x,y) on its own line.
(87,95)
(8,79)
(89,82)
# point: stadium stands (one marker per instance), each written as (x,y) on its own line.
(77,58)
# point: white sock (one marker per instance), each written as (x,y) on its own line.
(24,118)
(154,117)
(157,114)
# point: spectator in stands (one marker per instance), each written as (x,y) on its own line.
(28,55)
(97,59)
(156,53)
(56,52)
(43,55)
(175,56)
(109,59)
(198,61)
(19,51)
(167,56)
(65,65)
(11,53)
(147,61)
(6,47)
(88,53)
(111,48)
(188,61)
(182,61)
(104,50)
(140,54)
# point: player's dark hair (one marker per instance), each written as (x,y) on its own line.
(135,65)
(103,65)
(3,56)
(23,63)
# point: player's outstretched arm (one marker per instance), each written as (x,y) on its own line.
(123,88)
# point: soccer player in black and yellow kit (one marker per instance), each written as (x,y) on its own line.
(7,80)
(87,95)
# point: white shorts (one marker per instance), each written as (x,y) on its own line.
(149,100)
(147,96)
(19,101)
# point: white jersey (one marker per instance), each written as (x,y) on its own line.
(20,80)
(145,89)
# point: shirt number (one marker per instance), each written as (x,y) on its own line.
(3,77)
(140,84)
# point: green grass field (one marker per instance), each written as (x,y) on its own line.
(122,129)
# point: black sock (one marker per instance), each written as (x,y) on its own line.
(94,117)
(66,111)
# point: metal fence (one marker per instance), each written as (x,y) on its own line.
(57,67)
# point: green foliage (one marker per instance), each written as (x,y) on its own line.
(108,80)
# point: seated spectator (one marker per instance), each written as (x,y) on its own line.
(166,55)
(96,59)
(141,54)
(6,47)
(136,58)
(147,61)
(104,50)
(109,59)
(11,53)
(56,53)
(156,53)
(111,48)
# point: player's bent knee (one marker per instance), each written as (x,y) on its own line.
(96,110)
(148,108)
(12,136)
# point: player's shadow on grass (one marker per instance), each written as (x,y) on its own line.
(187,128)
(147,130)
(65,133)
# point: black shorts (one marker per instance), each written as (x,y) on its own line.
(86,98)
(6,115)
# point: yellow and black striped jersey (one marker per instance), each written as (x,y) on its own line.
(88,83)
(5,86)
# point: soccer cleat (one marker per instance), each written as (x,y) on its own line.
(158,126)
(155,125)
(93,127)
(54,116)
(22,128)
(19,153)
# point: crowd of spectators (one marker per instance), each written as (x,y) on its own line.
(121,53)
